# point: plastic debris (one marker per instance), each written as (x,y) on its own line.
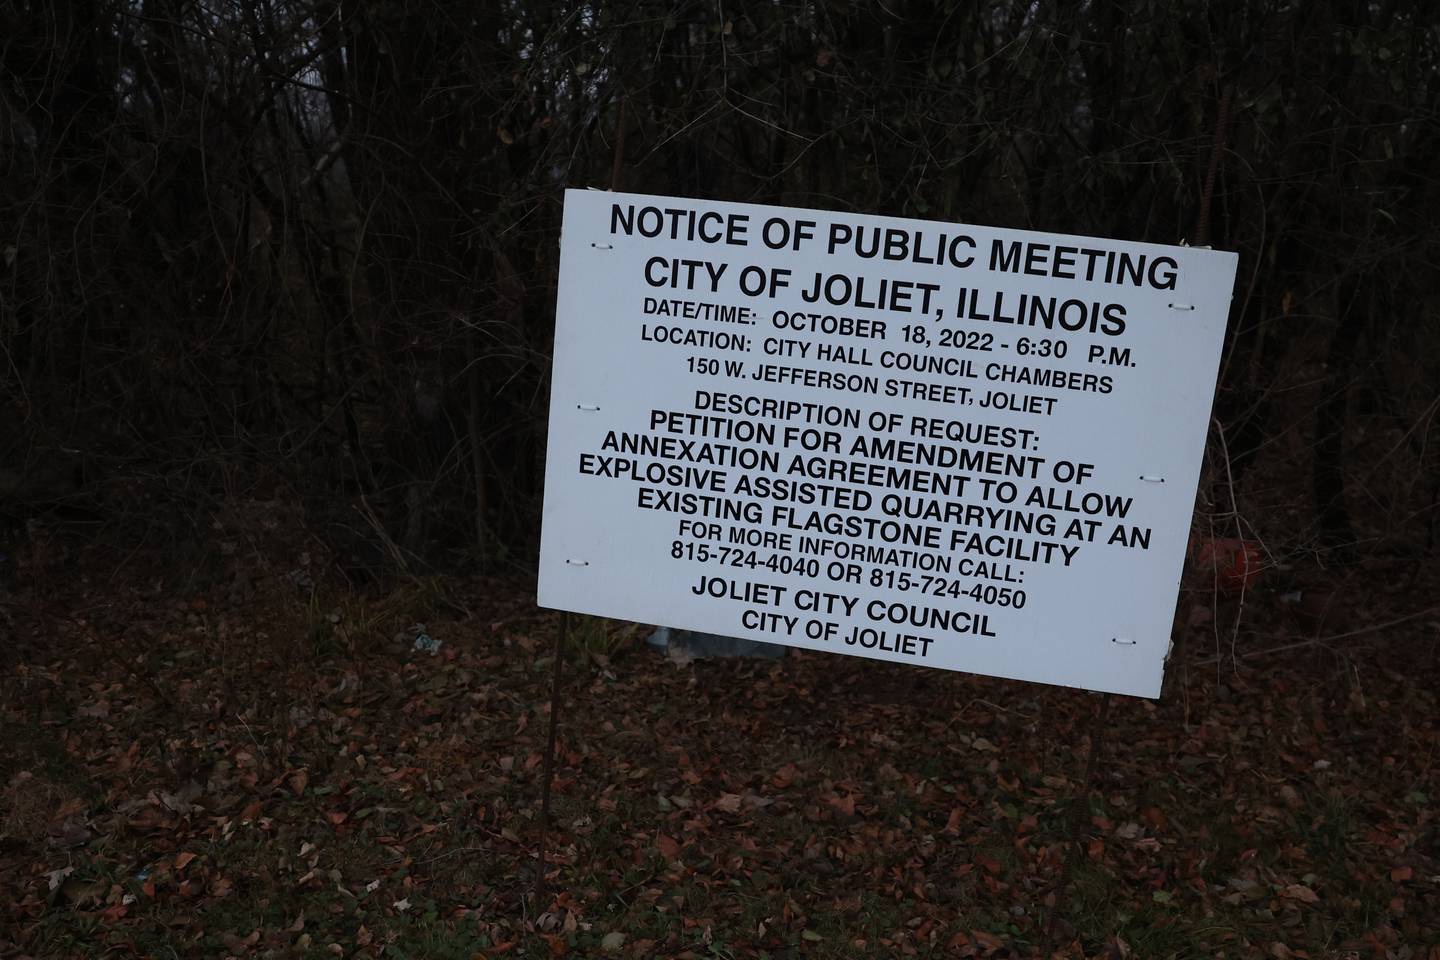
(685,646)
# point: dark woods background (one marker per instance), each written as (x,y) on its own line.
(288,265)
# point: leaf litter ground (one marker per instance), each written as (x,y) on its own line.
(273,776)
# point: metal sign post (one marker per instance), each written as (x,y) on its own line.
(548,773)
(1081,799)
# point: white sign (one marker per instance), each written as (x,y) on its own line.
(933,443)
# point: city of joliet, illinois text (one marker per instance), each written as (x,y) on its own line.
(943,509)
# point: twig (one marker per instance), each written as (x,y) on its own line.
(391,546)
(110,654)
(1239,536)
(996,706)
(1323,641)
(452,853)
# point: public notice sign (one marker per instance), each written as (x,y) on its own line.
(934,443)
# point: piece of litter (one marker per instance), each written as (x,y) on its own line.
(426,643)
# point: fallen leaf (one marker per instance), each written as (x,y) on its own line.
(986,940)
(1298,891)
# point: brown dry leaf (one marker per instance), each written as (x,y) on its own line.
(299,780)
(728,802)
(239,944)
(84,893)
(667,846)
(68,809)
(149,819)
(1298,891)
(784,777)
(986,940)
(182,860)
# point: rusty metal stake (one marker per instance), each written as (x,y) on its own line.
(1097,746)
(549,772)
